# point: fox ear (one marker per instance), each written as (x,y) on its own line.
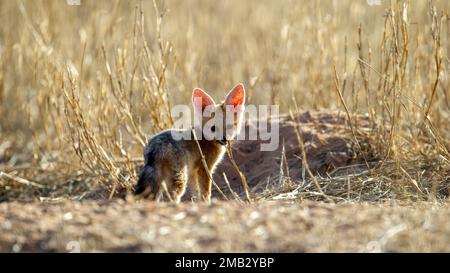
(236,97)
(201,99)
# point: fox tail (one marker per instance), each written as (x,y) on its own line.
(147,185)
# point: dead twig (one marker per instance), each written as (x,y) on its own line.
(21,180)
(238,171)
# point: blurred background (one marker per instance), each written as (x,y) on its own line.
(82,87)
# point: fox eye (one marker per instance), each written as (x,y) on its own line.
(213,128)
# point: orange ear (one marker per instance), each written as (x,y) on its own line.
(236,97)
(201,99)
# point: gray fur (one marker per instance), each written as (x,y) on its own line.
(175,163)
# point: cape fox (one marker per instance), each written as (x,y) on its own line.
(177,162)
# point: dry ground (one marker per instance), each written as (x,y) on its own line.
(83,87)
(119,226)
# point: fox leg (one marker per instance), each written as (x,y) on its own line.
(178,184)
(193,184)
(204,184)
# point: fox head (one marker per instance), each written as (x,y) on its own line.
(221,121)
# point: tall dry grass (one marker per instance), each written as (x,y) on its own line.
(82,88)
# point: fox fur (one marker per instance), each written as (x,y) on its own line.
(178,162)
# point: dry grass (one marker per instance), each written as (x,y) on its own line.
(83,88)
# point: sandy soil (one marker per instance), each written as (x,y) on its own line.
(121,226)
(328,145)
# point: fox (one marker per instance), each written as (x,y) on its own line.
(177,162)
